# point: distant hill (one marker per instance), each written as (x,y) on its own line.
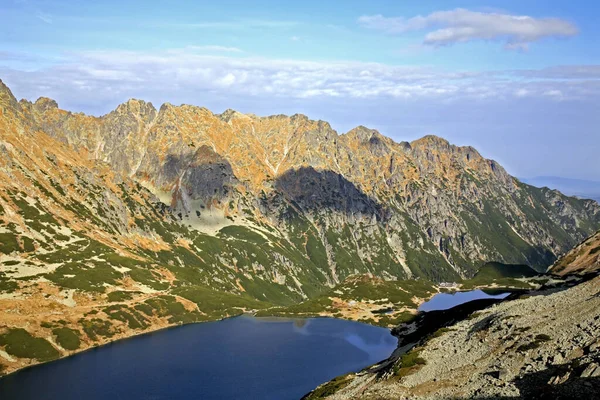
(573,187)
(495,270)
(506,275)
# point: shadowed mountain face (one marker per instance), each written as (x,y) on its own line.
(140,219)
(203,175)
(325,190)
(434,209)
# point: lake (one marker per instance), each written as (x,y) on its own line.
(237,358)
(445,301)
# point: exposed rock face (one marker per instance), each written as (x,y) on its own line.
(582,259)
(438,210)
(116,225)
(543,347)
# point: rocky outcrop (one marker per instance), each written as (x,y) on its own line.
(450,205)
(543,346)
(116,225)
(582,259)
(538,345)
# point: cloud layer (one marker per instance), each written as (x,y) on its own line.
(461,25)
(111,75)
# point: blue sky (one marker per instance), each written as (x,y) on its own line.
(519,80)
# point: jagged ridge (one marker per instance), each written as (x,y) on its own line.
(253,212)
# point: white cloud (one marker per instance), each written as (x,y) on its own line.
(186,74)
(564,72)
(44,17)
(461,25)
(215,48)
(228,25)
(521,92)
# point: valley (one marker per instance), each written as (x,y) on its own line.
(541,343)
(142,219)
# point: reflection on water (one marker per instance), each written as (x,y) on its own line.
(375,347)
(299,323)
(376,351)
(444,301)
(238,358)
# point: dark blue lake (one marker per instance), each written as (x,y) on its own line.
(444,301)
(238,358)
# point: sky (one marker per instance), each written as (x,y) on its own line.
(518,80)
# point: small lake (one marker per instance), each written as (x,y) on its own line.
(237,358)
(444,301)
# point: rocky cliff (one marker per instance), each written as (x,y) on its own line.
(543,344)
(360,201)
(582,259)
(116,225)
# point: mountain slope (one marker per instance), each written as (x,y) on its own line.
(573,187)
(582,259)
(367,203)
(117,225)
(542,346)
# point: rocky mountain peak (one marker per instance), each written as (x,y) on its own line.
(298,118)
(7,99)
(431,142)
(44,104)
(427,195)
(139,108)
(362,133)
(230,114)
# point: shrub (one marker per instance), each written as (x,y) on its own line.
(19,343)
(67,338)
(409,363)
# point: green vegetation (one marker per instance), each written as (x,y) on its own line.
(19,343)
(75,275)
(216,303)
(330,388)
(440,332)
(495,270)
(120,295)
(409,363)
(504,275)
(364,289)
(67,338)
(96,327)
(307,308)
(394,320)
(145,308)
(9,243)
(537,341)
(168,306)
(131,317)
(28,245)
(425,260)
(7,285)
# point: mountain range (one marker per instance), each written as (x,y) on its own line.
(581,188)
(143,218)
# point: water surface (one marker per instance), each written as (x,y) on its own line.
(238,358)
(444,301)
